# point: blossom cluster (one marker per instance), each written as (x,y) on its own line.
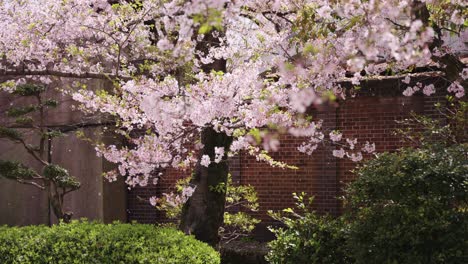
(172,199)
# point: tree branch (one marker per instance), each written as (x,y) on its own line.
(32,152)
(31,183)
(85,75)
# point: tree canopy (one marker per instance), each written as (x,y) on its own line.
(280,58)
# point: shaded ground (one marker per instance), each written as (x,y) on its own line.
(244,252)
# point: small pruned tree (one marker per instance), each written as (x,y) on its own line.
(52,178)
(239,223)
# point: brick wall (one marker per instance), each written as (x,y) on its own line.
(369,116)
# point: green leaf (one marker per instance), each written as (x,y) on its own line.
(60,176)
(24,120)
(29,89)
(53,134)
(255,133)
(10,133)
(204,29)
(15,170)
(51,103)
(19,111)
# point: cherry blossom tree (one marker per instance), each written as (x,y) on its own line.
(194,82)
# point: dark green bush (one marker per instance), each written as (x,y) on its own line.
(87,243)
(411,207)
(308,237)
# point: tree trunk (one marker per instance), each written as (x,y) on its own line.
(203,213)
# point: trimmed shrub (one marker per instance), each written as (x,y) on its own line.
(411,207)
(93,243)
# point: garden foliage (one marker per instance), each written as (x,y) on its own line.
(405,207)
(88,242)
(410,206)
(307,237)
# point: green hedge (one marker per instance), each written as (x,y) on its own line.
(85,242)
(411,207)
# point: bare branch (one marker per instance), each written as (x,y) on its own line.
(32,152)
(85,75)
(35,184)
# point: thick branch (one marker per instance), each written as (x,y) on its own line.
(85,75)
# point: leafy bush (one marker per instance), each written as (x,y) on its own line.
(240,223)
(411,207)
(84,242)
(308,237)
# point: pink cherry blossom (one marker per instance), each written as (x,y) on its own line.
(335,136)
(219,154)
(205,160)
(356,157)
(456,88)
(153,200)
(409,91)
(369,148)
(407,79)
(351,143)
(429,89)
(187,192)
(464,74)
(155,181)
(339,153)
